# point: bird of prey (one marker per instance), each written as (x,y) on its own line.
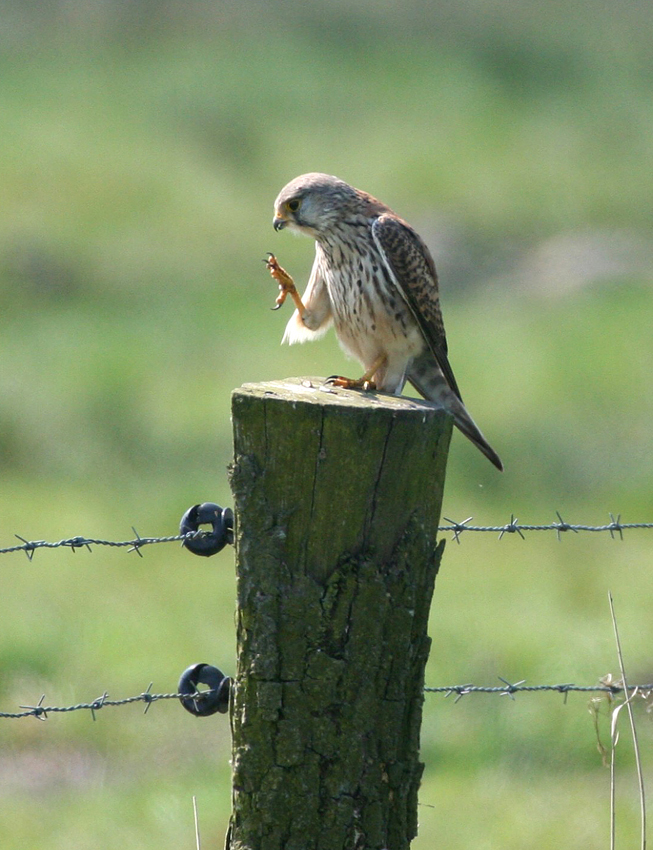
(375,280)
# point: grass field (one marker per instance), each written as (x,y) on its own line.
(139,160)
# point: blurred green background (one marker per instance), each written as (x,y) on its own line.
(142,145)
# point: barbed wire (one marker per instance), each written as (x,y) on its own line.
(79,542)
(613,528)
(41,711)
(509,689)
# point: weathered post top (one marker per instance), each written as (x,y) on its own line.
(337,499)
(345,470)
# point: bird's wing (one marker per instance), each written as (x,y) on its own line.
(413,270)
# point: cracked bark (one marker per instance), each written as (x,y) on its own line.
(337,499)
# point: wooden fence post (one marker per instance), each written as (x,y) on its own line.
(337,500)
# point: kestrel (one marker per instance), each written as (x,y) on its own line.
(375,280)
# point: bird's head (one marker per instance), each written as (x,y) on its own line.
(313,203)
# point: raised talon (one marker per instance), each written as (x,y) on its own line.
(286,283)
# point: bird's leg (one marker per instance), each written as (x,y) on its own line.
(286,284)
(365,383)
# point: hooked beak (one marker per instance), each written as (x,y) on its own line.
(279,222)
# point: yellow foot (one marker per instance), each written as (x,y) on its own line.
(351,383)
(286,283)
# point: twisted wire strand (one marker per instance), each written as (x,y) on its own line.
(613,528)
(41,711)
(79,542)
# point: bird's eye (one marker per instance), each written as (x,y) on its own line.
(294,205)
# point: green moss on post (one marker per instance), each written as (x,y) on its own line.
(337,498)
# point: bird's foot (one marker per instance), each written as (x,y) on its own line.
(363,383)
(366,383)
(286,283)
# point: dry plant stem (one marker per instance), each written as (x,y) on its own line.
(197,823)
(614,740)
(612,792)
(640,774)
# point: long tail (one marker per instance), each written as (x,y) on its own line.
(425,375)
